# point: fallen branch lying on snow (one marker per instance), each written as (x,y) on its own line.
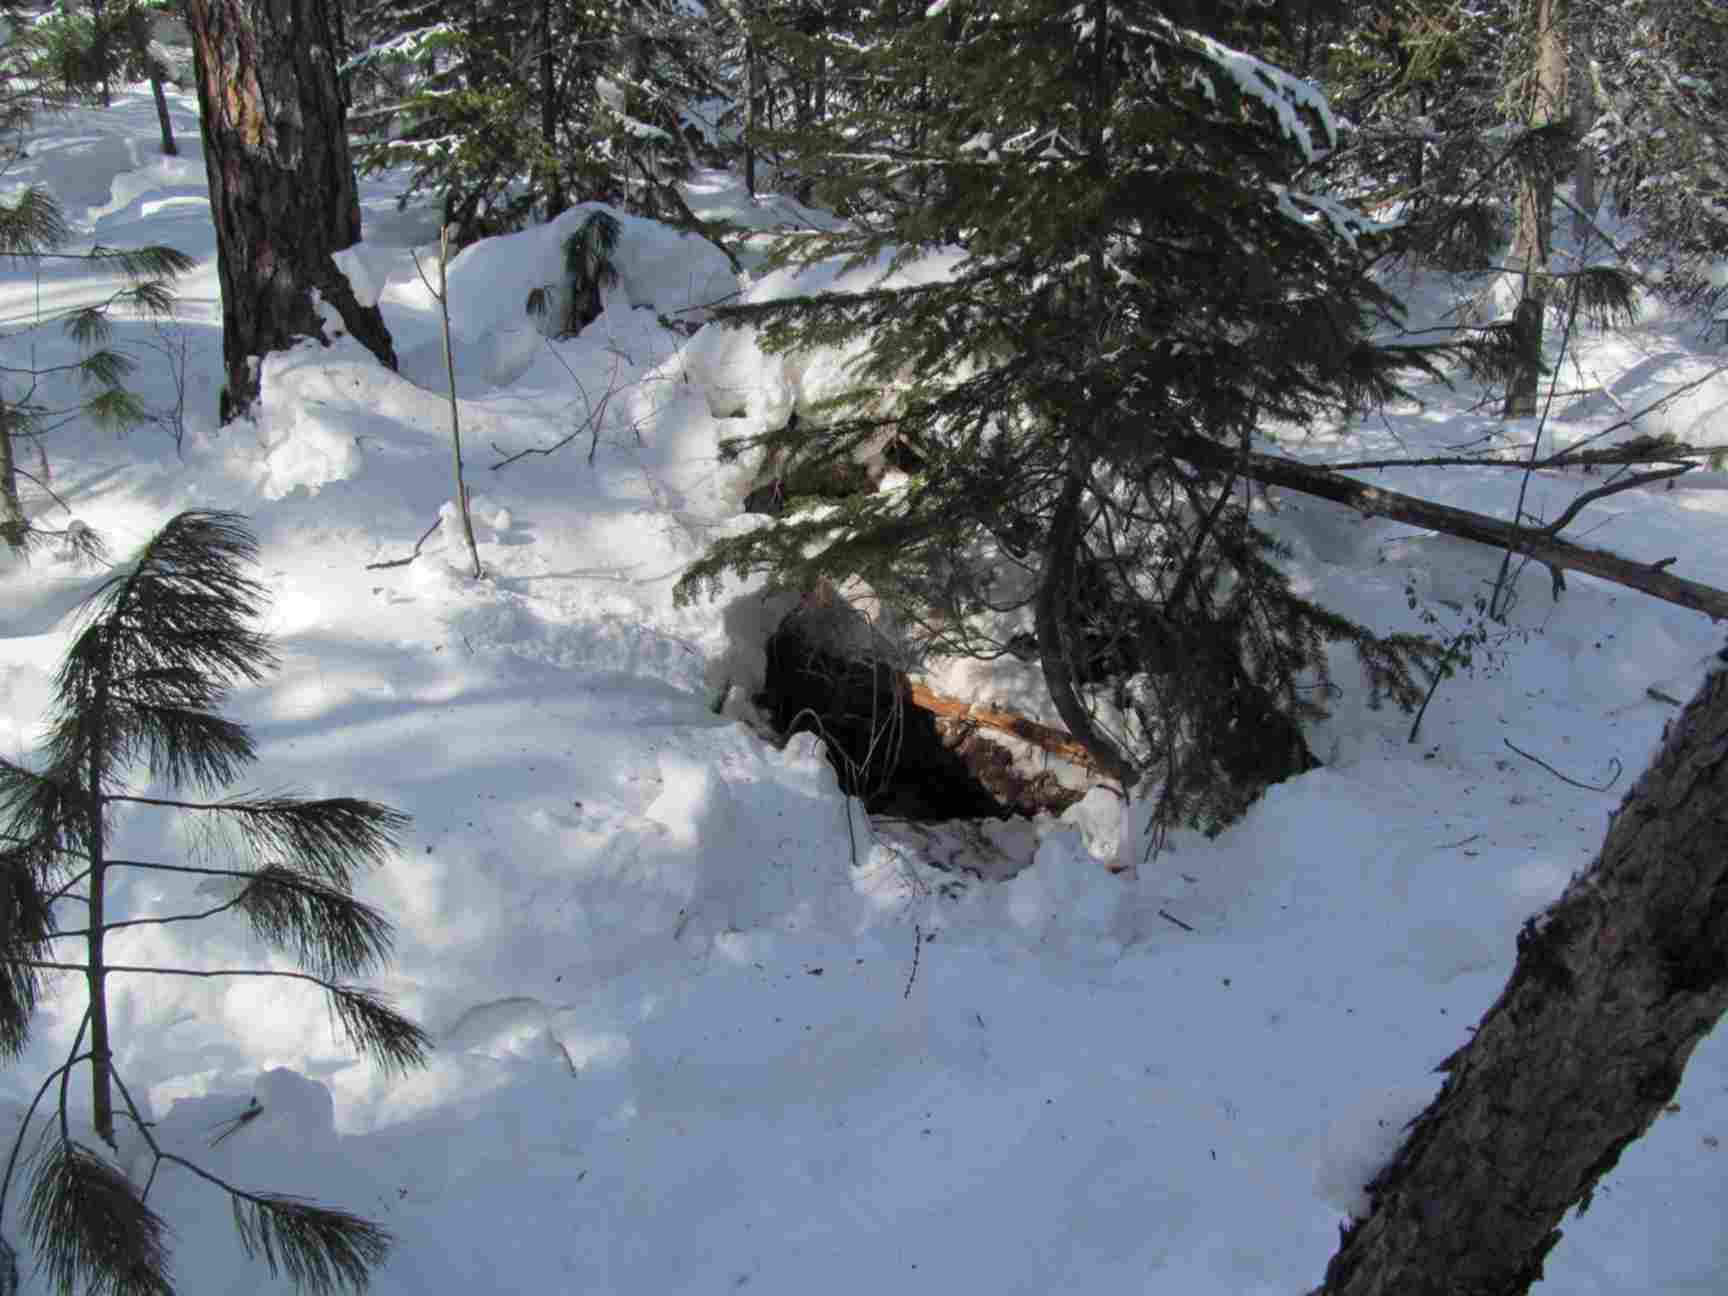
(1540,544)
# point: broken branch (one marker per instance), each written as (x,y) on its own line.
(1549,549)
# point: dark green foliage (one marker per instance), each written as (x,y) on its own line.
(326,929)
(160,643)
(83,54)
(588,272)
(93,1231)
(163,639)
(510,113)
(33,228)
(322,1251)
(1140,270)
(1662,141)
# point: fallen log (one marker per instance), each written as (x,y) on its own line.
(1045,737)
(1647,578)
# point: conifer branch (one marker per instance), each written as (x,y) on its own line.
(328,838)
(325,929)
(368,1022)
(161,642)
(322,1251)
(30,1112)
(90,1228)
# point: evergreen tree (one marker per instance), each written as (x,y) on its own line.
(85,53)
(510,113)
(140,693)
(1139,273)
(1661,140)
(33,402)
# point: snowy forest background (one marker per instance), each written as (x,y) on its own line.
(971,722)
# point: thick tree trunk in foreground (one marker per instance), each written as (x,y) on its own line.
(1614,986)
(282,188)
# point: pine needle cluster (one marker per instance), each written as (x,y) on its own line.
(34,229)
(159,645)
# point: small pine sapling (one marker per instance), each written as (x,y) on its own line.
(589,269)
(139,695)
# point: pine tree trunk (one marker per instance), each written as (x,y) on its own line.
(1613,988)
(163,120)
(1531,244)
(752,97)
(282,187)
(1583,43)
(13,524)
(552,186)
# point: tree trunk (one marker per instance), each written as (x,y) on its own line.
(163,120)
(553,185)
(1532,242)
(1613,988)
(1051,622)
(138,31)
(752,105)
(282,187)
(14,526)
(1583,48)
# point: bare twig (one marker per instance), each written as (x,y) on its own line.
(1167,916)
(1613,488)
(1588,787)
(403,562)
(1462,841)
(917,950)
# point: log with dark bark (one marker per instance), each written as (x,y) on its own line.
(1614,986)
(282,187)
(1545,547)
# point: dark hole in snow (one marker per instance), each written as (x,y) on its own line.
(903,761)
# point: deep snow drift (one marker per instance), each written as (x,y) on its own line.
(701,1026)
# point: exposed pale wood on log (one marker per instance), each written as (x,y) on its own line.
(1046,738)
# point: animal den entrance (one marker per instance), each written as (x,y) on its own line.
(829,674)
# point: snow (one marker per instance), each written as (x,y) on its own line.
(700,1024)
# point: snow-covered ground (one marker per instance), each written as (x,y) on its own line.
(701,1026)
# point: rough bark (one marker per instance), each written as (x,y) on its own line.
(282,187)
(1647,578)
(1614,986)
